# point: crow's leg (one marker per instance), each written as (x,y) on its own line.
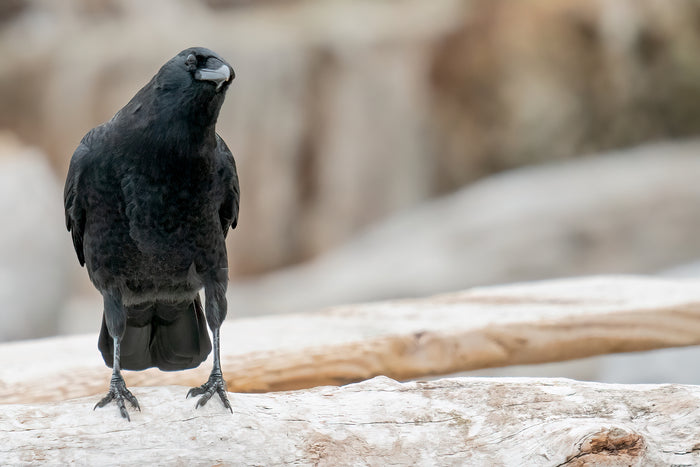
(215,383)
(115,316)
(216,312)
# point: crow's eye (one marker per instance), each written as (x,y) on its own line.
(191,62)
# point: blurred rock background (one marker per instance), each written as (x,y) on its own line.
(370,138)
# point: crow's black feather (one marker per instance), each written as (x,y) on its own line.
(149,199)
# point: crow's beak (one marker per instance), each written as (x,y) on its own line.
(215,71)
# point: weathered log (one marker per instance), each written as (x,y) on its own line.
(484,327)
(461,421)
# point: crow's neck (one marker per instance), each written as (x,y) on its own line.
(171,130)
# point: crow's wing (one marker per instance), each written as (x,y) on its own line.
(74,198)
(228,211)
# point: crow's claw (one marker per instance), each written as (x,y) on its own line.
(215,384)
(118,393)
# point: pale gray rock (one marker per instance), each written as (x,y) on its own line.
(633,211)
(35,250)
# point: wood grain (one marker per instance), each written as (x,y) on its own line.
(459,421)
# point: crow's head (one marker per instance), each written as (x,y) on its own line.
(197,69)
(189,89)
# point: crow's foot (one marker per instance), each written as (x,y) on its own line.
(215,384)
(118,392)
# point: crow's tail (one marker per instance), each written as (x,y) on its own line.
(174,338)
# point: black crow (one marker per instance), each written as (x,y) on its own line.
(149,198)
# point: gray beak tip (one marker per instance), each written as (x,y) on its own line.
(218,76)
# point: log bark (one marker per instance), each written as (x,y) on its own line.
(479,328)
(460,421)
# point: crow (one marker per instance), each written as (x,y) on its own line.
(149,198)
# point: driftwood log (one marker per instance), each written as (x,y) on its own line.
(461,421)
(483,327)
